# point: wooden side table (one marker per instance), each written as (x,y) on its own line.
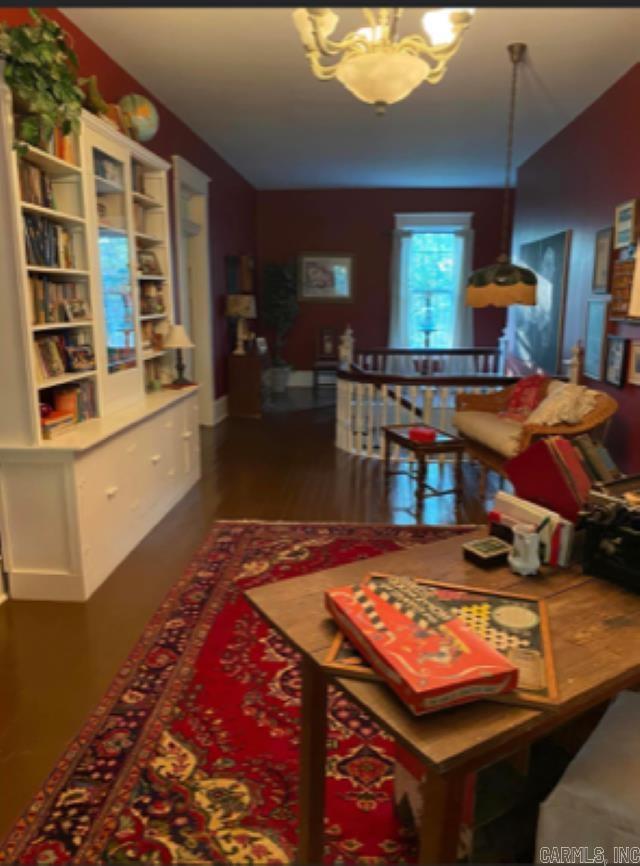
(444,443)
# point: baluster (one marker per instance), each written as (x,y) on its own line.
(413,399)
(427,403)
(358,419)
(371,418)
(339,413)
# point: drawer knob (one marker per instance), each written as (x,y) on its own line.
(155,458)
(187,434)
(111,491)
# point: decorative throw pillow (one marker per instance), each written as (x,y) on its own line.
(567,404)
(526,395)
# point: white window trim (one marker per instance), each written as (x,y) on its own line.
(434,222)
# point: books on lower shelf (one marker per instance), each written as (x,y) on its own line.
(67,405)
(425,653)
(596,459)
(47,243)
(68,352)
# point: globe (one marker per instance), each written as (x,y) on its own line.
(142,115)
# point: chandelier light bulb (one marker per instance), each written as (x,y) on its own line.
(440,25)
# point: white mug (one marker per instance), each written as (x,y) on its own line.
(525,557)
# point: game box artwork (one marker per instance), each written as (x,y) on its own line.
(426,654)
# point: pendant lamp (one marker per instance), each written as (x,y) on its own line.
(503,283)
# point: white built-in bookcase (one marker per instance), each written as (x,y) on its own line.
(72,506)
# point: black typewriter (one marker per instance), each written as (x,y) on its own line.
(609,528)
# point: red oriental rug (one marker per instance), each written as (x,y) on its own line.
(191,756)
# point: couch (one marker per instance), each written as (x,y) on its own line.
(493,440)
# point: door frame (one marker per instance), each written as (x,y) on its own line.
(195,251)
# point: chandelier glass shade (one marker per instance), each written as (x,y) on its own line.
(373,62)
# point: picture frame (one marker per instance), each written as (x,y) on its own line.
(633,371)
(616,360)
(538,330)
(626,224)
(602,261)
(594,343)
(80,358)
(148,263)
(325,277)
(77,310)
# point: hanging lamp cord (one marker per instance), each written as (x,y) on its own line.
(516,52)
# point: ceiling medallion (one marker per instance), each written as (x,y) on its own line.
(374,63)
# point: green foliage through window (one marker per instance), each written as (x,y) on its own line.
(431,289)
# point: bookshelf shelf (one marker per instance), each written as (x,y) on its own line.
(53,165)
(156,277)
(157,353)
(625,320)
(147,201)
(62,272)
(146,240)
(107,187)
(56,326)
(67,378)
(55,215)
(112,231)
(151,316)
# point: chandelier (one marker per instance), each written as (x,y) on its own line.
(374,63)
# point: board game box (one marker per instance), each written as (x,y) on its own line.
(514,624)
(424,652)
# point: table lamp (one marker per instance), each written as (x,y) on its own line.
(241,307)
(178,339)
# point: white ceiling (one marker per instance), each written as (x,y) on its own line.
(239,78)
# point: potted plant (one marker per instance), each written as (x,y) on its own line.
(279,309)
(42,71)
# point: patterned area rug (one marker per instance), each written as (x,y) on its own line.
(191,756)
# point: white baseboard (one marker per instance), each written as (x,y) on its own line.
(220,409)
(301,379)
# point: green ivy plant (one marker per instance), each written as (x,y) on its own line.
(41,69)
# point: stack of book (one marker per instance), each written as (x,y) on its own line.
(47,243)
(56,423)
(78,400)
(63,147)
(424,653)
(35,185)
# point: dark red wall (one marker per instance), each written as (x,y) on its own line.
(574,182)
(232,199)
(360,222)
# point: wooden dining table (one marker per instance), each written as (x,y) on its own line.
(595,636)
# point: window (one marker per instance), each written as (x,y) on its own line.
(430,265)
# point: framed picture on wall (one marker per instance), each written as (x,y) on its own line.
(616,360)
(602,261)
(594,341)
(633,374)
(325,277)
(538,329)
(626,224)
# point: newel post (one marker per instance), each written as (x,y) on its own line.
(502,352)
(346,348)
(574,367)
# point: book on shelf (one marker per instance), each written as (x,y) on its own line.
(425,653)
(35,185)
(63,147)
(68,352)
(55,301)
(137,177)
(56,423)
(47,243)
(78,400)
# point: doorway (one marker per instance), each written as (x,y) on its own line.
(191,215)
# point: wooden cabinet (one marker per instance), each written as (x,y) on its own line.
(246,374)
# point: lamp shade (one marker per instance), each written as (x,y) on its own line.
(241,306)
(501,285)
(178,339)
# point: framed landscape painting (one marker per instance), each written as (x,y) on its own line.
(325,277)
(538,329)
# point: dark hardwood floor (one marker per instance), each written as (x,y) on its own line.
(57,659)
